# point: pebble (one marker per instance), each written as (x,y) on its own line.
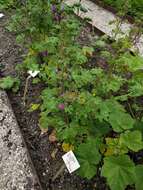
(1,116)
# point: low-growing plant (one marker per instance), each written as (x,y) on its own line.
(95,109)
(134,6)
(8,83)
(6,4)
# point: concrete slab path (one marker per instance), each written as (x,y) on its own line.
(101,19)
(16,169)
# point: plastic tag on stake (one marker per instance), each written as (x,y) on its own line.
(1,15)
(70,161)
(33,73)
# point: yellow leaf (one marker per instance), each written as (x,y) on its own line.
(67,147)
(109,152)
(102,149)
(34,107)
(113,147)
(70,96)
(31,52)
(87,51)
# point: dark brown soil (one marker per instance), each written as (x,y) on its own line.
(38,144)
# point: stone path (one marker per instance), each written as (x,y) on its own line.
(101,19)
(16,169)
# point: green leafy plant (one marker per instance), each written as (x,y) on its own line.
(85,156)
(122,172)
(6,4)
(134,6)
(95,107)
(8,83)
(138,177)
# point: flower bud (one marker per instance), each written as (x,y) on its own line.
(61,106)
(54,8)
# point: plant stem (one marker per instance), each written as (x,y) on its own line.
(131,111)
(59,172)
(25,90)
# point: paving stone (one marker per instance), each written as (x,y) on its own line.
(101,19)
(16,169)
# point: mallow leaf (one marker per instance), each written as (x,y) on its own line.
(69,134)
(113,147)
(119,171)
(121,121)
(99,129)
(89,157)
(132,140)
(138,126)
(139,177)
(113,112)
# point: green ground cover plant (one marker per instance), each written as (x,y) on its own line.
(8,83)
(6,4)
(134,7)
(96,109)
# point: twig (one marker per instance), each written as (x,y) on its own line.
(25,90)
(59,172)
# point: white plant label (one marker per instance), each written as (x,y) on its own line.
(1,15)
(70,161)
(33,73)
